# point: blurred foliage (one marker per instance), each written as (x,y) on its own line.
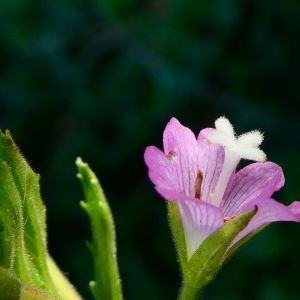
(100,79)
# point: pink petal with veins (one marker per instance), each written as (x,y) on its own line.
(249,185)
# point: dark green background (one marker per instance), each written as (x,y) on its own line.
(100,79)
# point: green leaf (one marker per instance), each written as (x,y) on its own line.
(23,241)
(32,293)
(107,284)
(209,257)
(22,217)
(10,286)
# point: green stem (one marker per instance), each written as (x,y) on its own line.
(188,292)
(107,284)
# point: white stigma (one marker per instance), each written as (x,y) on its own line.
(245,146)
(236,147)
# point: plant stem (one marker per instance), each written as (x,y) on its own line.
(188,292)
(107,284)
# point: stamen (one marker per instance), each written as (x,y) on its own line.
(198,183)
(170,155)
(227,219)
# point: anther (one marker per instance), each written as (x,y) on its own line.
(198,183)
(170,155)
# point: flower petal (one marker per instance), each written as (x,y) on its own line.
(178,136)
(252,183)
(180,146)
(171,194)
(160,168)
(270,211)
(199,220)
(211,159)
(295,209)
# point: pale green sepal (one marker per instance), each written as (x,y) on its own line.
(209,257)
(64,288)
(107,283)
(178,234)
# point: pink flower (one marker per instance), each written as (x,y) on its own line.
(201,175)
